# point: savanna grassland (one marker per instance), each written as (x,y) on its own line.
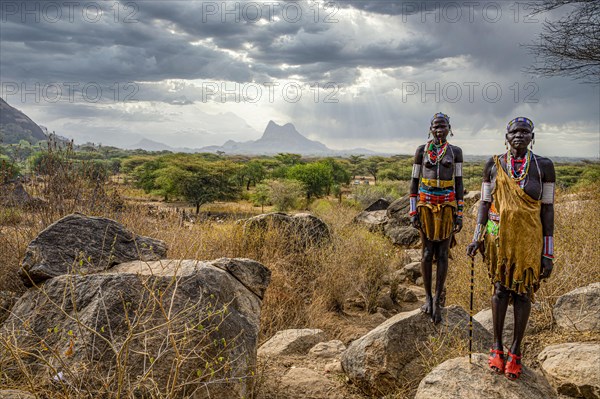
(149,193)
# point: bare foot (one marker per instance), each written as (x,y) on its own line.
(427,306)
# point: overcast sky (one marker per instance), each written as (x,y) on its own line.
(346,73)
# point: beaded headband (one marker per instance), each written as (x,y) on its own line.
(440,115)
(520,119)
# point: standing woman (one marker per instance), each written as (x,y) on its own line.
(515,228)
(436,207)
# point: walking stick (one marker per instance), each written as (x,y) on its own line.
(471,309)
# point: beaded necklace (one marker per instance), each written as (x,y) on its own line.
(520,174)
(435,152)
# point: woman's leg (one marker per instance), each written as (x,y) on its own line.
(426,270)
(500,301)
(442,248)
(522,305)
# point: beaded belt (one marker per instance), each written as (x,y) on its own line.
(435,199)
(493,214)
(437,183)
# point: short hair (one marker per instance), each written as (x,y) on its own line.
(520,119)
(440,115)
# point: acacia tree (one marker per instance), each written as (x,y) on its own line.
(571,45)
(205,182)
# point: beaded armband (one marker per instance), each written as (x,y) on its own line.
(486,192)
(548,247)
(460,206)
(413,205)
(479,233)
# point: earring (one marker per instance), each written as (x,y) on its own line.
(532,143)
(506,144)
(429,135)
(451,134)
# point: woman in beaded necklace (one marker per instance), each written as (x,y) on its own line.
(436,206)
(515,228)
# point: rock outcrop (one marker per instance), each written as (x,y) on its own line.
(83,245)
(293,341)
(377,361)
(573,368)
(579,310)
(393,221)
(302,229)
(169,326)
(456,378)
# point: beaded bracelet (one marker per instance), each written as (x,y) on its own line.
(413,205)
(459,208)
(548,247)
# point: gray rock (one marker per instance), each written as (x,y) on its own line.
(413,254)
(136,318)
(579,310)
(374,220)
(327,350)
(293,341)
(456,378)
(399,210)
(407,295)
(412,271)
(303,228)
(380,205)
(573,368)
(405,236)
(377,361)
(83,245)
(7,300)
(472,196)
(14,194)
(301,382)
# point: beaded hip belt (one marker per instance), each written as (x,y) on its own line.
(437,183)
(437,199)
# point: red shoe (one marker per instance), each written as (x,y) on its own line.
(513,367)
(496,361)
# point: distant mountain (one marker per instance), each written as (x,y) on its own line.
(277,138)
(16,126)
(150,145)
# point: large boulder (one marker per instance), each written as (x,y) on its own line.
(456,378)
(398,228)
(7,300)
(164,328)
(573,368)
(83,245)
(302,228)
(377,362)
(374,220)
(579,310)
(293,341)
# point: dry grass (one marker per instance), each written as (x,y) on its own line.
(310,287)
